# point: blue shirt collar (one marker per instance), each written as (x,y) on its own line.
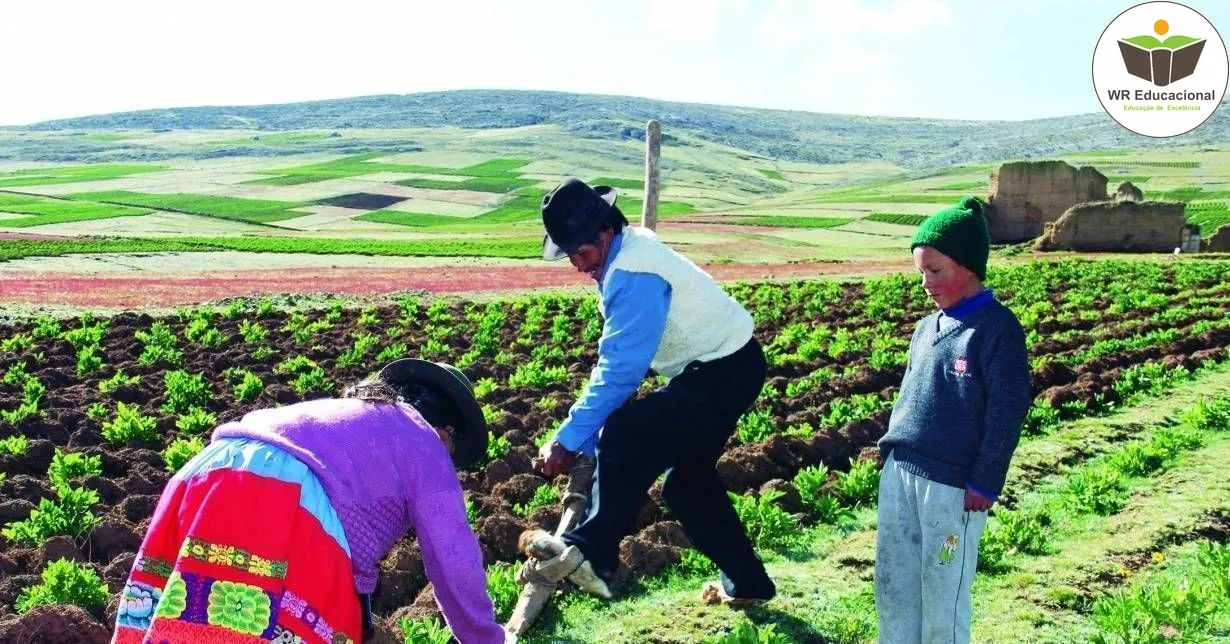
(969,305)
(616,242)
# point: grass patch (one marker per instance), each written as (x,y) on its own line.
(1117,179)
(279,138)
(108,137)
(1144,164)
(899,218)
(1209,215)
(961,185)
(632,208)
(361,164)
(413,219)
(886,198)
(513,247)
(772,174)
(614,182)
(257,211)
(1186,193)
(477,184)
(46,210)
(788,222)
(74,174)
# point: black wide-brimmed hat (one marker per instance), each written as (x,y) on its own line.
(469,440)
(573,213)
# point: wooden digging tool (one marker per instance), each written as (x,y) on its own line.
(542,573)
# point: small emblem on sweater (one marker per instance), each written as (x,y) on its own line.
(960,365)
(948,549)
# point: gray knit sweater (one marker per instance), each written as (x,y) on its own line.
(963,399)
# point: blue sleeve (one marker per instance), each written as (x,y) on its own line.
(636,305)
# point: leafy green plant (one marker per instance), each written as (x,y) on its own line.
(427,630)
(497,447)
(484,387)
(129,424)
(503,589)
(45,328)
(185,391)
(249,387)
(98,411)
(265,307)
(16,445)
(202,331)
(368,317)
(755,426)
(1138,459)
(66,466)
(263,353)
(768,526)
(233,309)
(160,345)
(296,365)
(32,392)
(1155,613)
(745,632)
(545,496)
(70,515)
(252,332)
(822,506)
(17,343)
(312,380)
(533,375)
(1099,490)
(116,381)
(860,485)
(64,582)
(471,511)
(392,352)
(1208,415)
(16,375)
(196,420)
(180,451)
(363,344)
(90,332)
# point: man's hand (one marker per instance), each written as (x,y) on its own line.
(976,502)
(553,459)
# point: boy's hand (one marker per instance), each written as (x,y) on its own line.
(554,459)
(975,502)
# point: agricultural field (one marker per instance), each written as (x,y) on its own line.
(460,183)
(1130,427)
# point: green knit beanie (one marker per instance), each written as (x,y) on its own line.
(960,232)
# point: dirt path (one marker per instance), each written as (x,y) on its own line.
(171,289)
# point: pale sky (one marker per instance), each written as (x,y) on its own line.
(963,59)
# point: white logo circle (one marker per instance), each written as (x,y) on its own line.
(1160,69)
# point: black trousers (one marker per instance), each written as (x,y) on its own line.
(680,429)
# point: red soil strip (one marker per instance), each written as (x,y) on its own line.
(174,290)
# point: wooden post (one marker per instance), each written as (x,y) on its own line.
(653,152)
(536,591)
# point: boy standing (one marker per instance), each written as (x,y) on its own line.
(950,437)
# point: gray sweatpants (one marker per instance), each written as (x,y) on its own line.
(926,553)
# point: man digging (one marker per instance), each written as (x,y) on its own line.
(659,311)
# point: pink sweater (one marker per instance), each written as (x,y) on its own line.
(387,472)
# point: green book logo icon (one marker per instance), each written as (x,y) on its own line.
(1161,62)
